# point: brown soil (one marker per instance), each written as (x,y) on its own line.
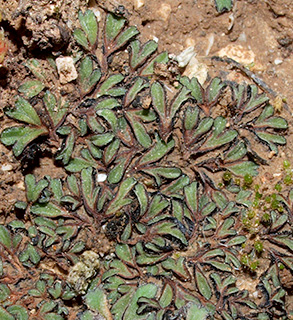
(263,28)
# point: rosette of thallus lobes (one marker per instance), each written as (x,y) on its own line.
(161,168)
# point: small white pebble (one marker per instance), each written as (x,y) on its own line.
(271,154)
(242,37)
(101,177)
(155,39)
(21,185)
(196,69)
(238,53)
(165,11)
(138,4)
(172,56)
(278,61)
(6,167)
(277,174)
(66,69)
(190,42)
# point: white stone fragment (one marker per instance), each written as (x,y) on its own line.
(138,4)
(278,61)
(66,69)
(6,167)
(238,53)
(190,42)
(155,39)
(196,69)
(165,11)
(271,154)
(185,56)
(277,174)
(20,185)
(242,37)
(101,177)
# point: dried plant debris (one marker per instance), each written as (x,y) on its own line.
(162,168)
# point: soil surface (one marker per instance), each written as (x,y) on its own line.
(260,32)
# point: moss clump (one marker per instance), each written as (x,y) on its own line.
(81,274)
